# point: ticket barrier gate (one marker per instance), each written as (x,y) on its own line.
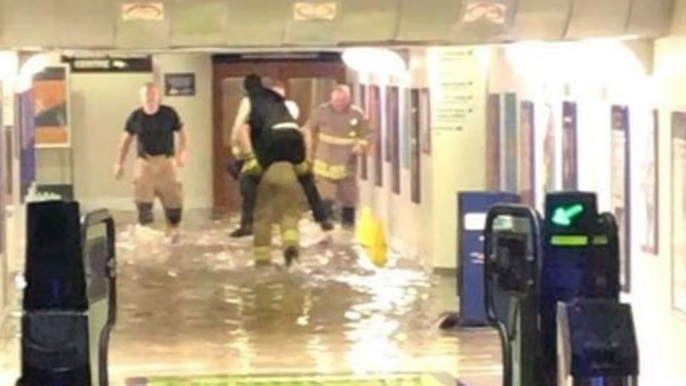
(573,290)
(69,305)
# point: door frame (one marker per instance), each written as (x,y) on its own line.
(279,66)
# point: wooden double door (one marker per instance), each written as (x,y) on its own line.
(308,80)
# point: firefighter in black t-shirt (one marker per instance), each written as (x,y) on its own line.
(154,126)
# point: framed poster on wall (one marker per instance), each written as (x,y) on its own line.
(415,146)
(620,196)
(569,146)
(393,136)
(509,151)
(678,144)
(648,226)
(493,142)
(375,122)
(27,140)
(549,166)
(406,128)
(425,119)
(51,106)
(527,153)
(361,101)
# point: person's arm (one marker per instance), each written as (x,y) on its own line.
(238,130)
(310,133)
(182,149)
(364,134)
(124,145)
(244,138)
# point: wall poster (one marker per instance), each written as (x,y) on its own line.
(406,128)
(527,153)
(374,97)
(509,151)
(425,119)
(51,95)
(548,171)
(620,197)
(361,101)
(27,139)
(393,136)
(415,141)
(647,228)
(679,211)
(569,146)
(493,142)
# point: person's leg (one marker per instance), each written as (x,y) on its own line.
(170,192)
(248,188)
(266,210)
(348,191)
(290,234)
(144,191)
(262,228)
(315,201)
(327,189)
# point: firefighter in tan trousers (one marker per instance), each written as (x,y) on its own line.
(278,196)
(155,126)
(338,134)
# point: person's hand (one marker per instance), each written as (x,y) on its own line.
(181,159)
(360,149)
(118,171)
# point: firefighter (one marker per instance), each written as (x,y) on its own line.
(337,134)
(155,126)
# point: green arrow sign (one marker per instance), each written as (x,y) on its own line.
(563,216)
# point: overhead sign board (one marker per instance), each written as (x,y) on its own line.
(109,63)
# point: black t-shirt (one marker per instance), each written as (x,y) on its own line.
(154,133)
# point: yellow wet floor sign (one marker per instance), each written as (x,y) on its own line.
(365,228)
(378,251)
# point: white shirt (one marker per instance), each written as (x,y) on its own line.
(244,112)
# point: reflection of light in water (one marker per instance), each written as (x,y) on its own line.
(323,357)
(373,349)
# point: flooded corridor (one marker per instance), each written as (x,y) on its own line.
(200,308)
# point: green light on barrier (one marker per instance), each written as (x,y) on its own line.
(563,216)
(569,241)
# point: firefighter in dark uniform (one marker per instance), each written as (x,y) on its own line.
(155,127)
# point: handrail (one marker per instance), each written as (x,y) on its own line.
(88,221)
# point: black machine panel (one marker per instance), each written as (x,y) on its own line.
(597,339)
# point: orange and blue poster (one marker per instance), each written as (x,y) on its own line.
(51,118)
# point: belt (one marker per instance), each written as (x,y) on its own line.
(286,125)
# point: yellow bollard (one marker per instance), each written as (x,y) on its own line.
(379,248)
(365,228)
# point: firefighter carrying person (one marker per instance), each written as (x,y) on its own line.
(337,133)
(266,132)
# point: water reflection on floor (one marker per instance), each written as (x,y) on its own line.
(201,307)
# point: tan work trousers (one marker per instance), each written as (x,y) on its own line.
(156,177)
(279,197)
(345,190)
